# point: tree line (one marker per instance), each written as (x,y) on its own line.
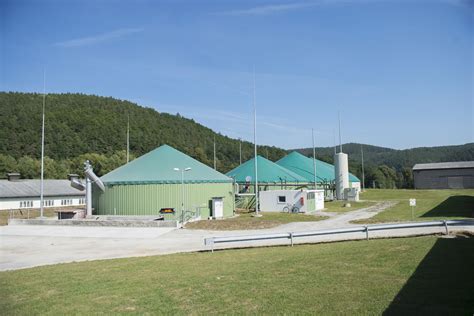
(30,168)
(80,127)
(78,124)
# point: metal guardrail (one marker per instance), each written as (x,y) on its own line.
(211,241)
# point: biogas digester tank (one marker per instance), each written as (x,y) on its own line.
(341,169)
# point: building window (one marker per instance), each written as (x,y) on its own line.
(25,204)
(281,199)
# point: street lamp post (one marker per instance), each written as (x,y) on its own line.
(182,190)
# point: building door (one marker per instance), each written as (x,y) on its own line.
(217,207)
(455,183)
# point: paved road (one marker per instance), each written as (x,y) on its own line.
(30,246)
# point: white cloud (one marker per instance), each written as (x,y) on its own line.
(271,8)
(284,7)
(89,40)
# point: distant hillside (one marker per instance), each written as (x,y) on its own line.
(388,168)
(397,158)
(80,127)
(77,124)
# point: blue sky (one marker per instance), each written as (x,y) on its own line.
(400,72)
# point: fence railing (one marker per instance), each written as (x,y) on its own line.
(211,241)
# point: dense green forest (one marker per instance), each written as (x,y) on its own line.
(80,127)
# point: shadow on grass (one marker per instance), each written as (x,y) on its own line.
(457,205)
(443,283)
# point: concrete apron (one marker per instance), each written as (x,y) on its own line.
(30,246)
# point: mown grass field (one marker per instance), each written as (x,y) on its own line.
(338,206)
(430,204)
(421,275)
(246,220)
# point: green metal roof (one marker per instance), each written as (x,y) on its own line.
(268,172)
(303,166)
(158,165)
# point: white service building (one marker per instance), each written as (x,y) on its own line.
(18,193)
(286,200)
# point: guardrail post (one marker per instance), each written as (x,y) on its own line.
(446,227)
(291,237)
(367,232)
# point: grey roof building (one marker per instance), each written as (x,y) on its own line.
(31,188)
(444,175)
(16,193)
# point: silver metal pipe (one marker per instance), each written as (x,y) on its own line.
(88,197)
(42,149)
(255,143)
(314,163)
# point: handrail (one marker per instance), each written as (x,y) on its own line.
(210,241)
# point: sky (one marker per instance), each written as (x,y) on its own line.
(399,72)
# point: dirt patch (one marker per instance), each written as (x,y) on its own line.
(232,225)
(464,234)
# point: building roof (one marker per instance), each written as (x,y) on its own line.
(303,166)
(158,165)
(268,172)
(444,165)
(31,188)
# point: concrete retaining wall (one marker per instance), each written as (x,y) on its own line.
(92,222)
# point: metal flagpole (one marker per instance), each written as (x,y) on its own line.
(42,149)
(214,152)
(314,159)
(182,196)
(128,138)
(255,145)
(363,174)
(340,138)
(240,151)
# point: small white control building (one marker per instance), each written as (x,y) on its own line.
(292,201)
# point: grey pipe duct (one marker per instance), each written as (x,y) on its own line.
(77,184)
(91,177)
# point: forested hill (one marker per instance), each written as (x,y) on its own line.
(80,127)
(398,159)
(391,168)
(78,124)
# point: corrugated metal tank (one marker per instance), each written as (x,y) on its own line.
(341,170)
(148,199)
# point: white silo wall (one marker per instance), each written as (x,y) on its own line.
(341,169)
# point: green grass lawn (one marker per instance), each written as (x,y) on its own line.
(245,220)
(338,206)
(420,275)
(430,204)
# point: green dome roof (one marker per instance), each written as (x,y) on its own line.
(303,166)
(268,172)
(158,165)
